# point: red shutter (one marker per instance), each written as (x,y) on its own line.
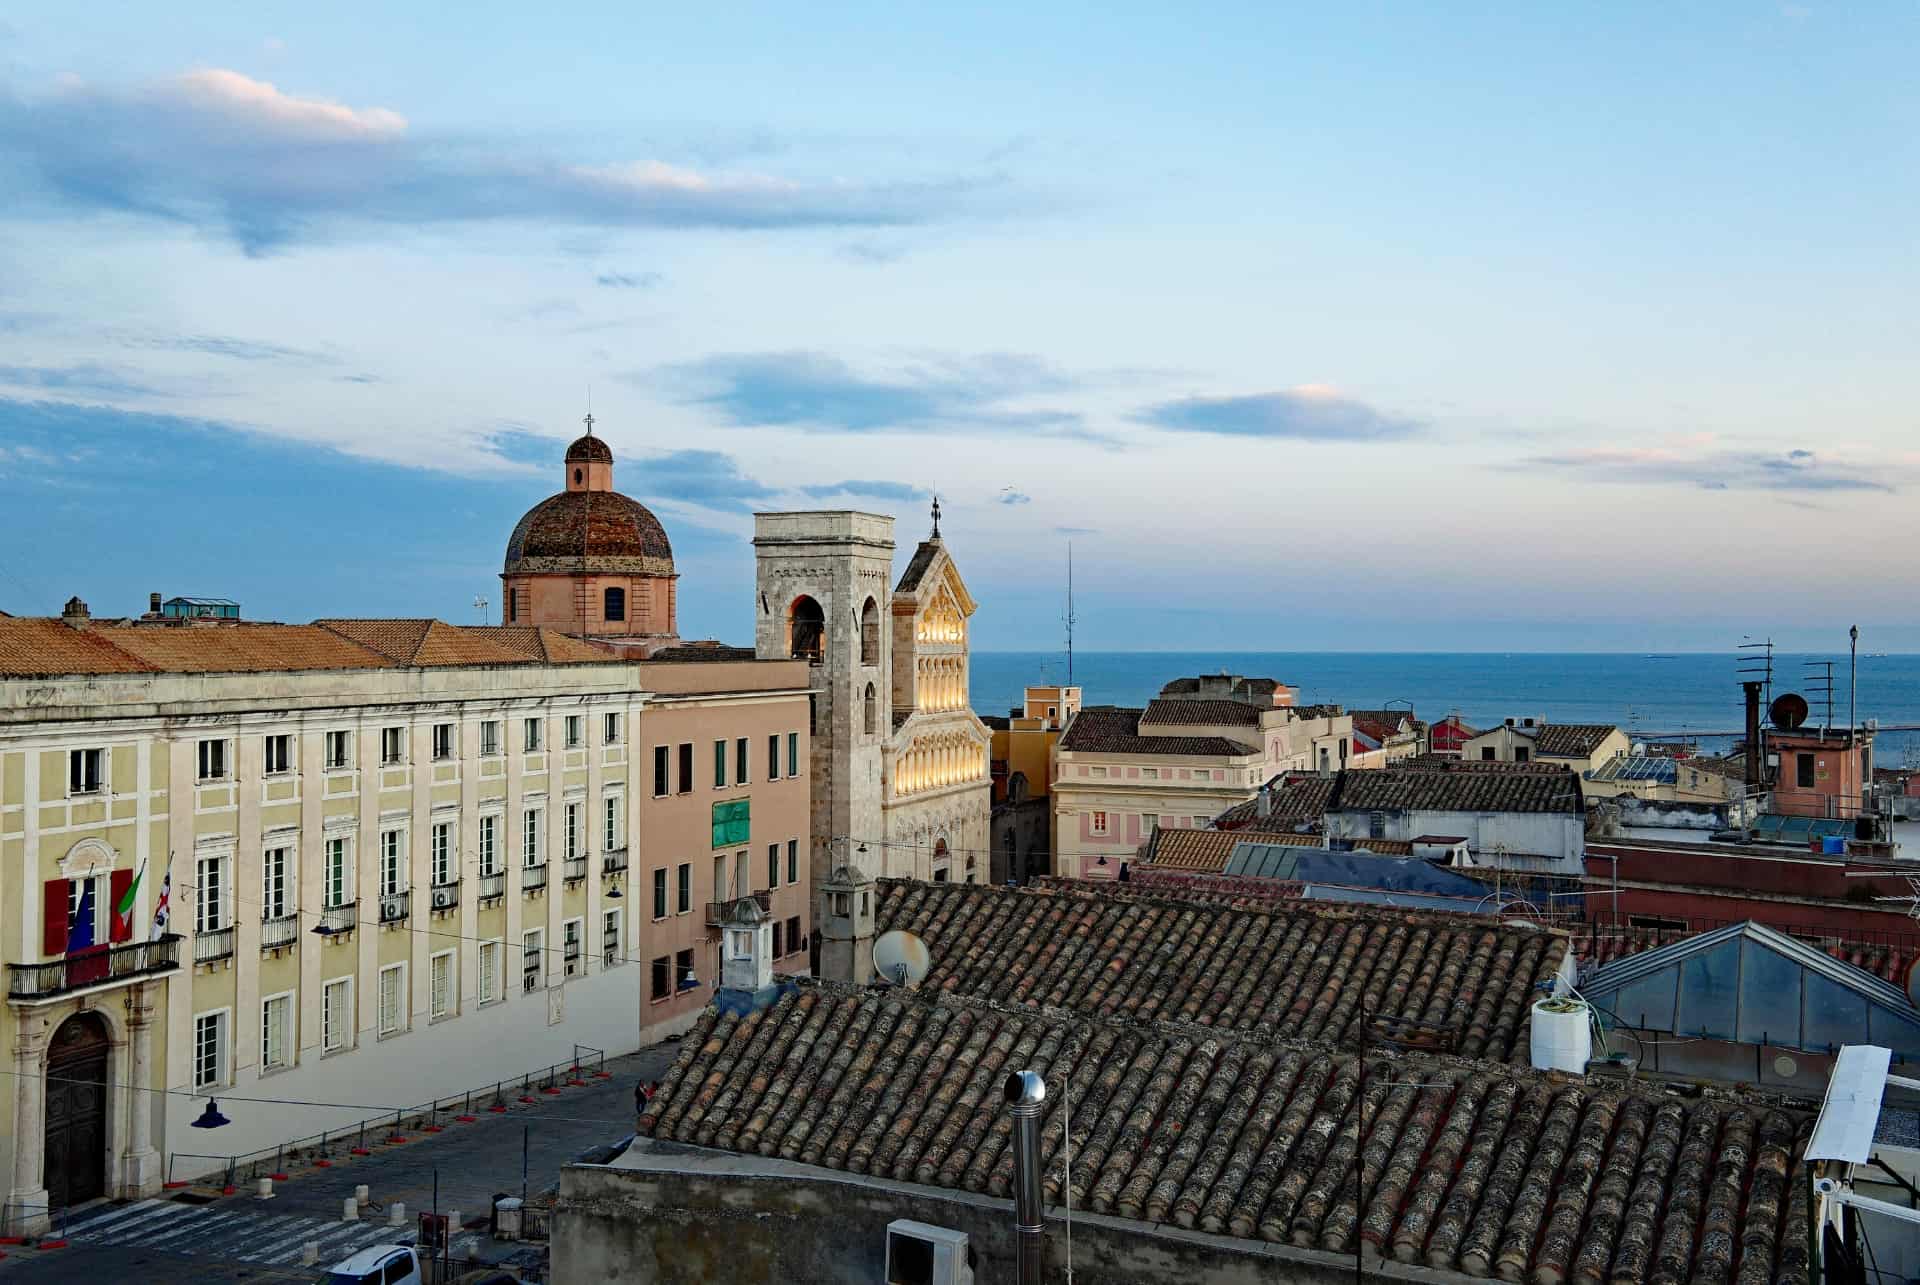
(53,932)
(118,881)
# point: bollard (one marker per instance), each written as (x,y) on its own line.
(263,1189)
(309,1253)
(360,1194)
(397,1214)
(350,1209)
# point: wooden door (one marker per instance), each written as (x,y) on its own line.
(76,1154)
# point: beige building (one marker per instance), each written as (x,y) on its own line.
(1580,747)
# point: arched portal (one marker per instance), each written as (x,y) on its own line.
(78,1058)
(870,633)
(806,630)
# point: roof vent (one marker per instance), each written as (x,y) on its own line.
(75,614)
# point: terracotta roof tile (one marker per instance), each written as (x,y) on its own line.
(1209,849)
(1395,789)
(1297,799)
(1107,729)
(1454,763)
(1491,1171)
(247,647)
(36,645)
(1571,740)
(1201,713)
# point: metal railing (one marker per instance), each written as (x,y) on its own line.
(717,911)
(532,877)
(93,968)
(214,945)
(279,931)
(344,917)
(395,906)
(492,886)
(574,869)
(613,861)
(444,896)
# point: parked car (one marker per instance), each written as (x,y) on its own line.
(378,1265)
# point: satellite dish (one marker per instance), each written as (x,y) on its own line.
(1788,712)
(901,958)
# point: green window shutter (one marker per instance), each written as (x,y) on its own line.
(731,826)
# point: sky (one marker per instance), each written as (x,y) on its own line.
(1346,327)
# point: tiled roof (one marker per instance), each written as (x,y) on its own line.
(708,651)
(1381,724)
(574,531)
(1209,849)
(1571,740)
(917,566)
(1106,729)
(1454,763)
(1470,1167)
(429,643)
(1304,798)
(37,645)
(1292,971)
(1201,713)
(1393,789)
(1241,688)
(239,648)
(543,646)
(1316,711)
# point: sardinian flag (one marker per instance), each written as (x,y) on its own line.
(165,903)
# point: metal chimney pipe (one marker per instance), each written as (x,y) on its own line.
(1756,766)
(1026,1095)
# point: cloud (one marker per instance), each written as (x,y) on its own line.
(709,478)
(1307,412)
(870,253)
(898,491)
(359,379)
(239,349)
(1795,470)
(83,379)
(221,151)
(1010,496)
(629,280)
(814,390)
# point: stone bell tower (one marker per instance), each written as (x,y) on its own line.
(822,582)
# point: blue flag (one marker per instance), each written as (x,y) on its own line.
(80,927)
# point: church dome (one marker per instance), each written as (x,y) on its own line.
(589,450)
(593,531)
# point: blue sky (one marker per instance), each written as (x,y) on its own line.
(1362,327)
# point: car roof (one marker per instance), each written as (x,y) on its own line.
(367,1259)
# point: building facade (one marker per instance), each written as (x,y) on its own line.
(1022,756)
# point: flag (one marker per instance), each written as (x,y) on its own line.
(162,906)
(80,926)
(123,913)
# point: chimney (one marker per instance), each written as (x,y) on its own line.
(1755,765)
(153,604)
(74,614)
(1265,806)
(1026,1095)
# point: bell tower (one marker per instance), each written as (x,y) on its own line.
(822,593)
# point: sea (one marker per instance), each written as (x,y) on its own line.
(1693,695)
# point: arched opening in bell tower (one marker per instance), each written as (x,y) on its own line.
(806,630)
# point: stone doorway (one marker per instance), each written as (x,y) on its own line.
(76,1146)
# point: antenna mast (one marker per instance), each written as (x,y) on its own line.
(1068,618)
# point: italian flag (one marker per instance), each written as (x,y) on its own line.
(123,913)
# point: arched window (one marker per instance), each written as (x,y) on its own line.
(872,717)
(616,604)
(806,630)
(870,634)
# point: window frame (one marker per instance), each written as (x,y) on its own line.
(659,893)
(740,760)
(336,858)
(531,846)
(82,783)
(793,861)
(384,1029)
(532,735)
(573,731)
(488,988)
(443,1000)
(773,866)
(490,738)
(336,750)
(210,893)
(274,899)
(610,933)
(610,728)
(393,746)
(489,843)
(662,771)
(685,781)
(220,766)
(573,947)
(393,861)
(289,1047)
(720,764)
(683,890)
(445,745)
(443,865)
(612,828)
(332,1040)
(793,755)
(221,1020)
(533,949)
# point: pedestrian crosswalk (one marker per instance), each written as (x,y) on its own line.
(225,1233)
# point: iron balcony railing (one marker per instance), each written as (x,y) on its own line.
(96,967)
(533,877)
(344,917)
(613,862)
(395,906)
(574,869)
(212,945)
(718,911)
(493,886)
(444,896)
(279,931)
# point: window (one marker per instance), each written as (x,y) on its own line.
(530,735)
(740,761)
(210,896)
(83,893)
(720,878)
(570,934)
(336,1014)
(276,1013)
(719,765)
(1376,825)
(274,866)
(489,845)
(793,754)
(575,729)
(1803,771)
(83,771)
(610,939)
(1101,773)
(1520,754)
(1099,823)
(661,984)
(773,757)
(333,872)
(209,1049)
(742,873)
(779,939)
(660,783)
(489,971)
(532,946)
(443,740)
(1486,753)
(530,838)
(869,637)
(773,867)
(338,750)
(440,999)
(441,852)
(610,824)
(683,893)
(614,604)
(393,987)
(793,861)
(213,760)
(686,767)
(869,711)
(392,863)
(1150,773)
(611,729)
(684,976)
(660,893)
(570,827)
(793,935)
(1199,823)
(490,738)
(393,745)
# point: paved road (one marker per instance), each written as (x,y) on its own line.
(243,1238)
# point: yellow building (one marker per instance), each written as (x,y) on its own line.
(1022,759)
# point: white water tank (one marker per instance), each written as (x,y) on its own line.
(1562,1035)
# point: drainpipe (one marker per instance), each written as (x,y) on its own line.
(1026,1094)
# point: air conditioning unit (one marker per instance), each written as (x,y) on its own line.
(389,910)
(922,1254)
(445,898)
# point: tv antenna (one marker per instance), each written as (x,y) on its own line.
(480,606)
(1819,682)
(901,958)
(1068,618)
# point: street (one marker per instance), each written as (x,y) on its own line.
(245,1238)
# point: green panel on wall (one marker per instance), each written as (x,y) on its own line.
(730,824)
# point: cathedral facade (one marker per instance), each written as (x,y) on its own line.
(900,775)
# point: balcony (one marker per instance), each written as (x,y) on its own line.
(209,947)
(279,932)
(343,918)
(395,907)
(116,965)
(574,869)
(613,861)
(493,887)
(533,878)
(445,896)
(717,911)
